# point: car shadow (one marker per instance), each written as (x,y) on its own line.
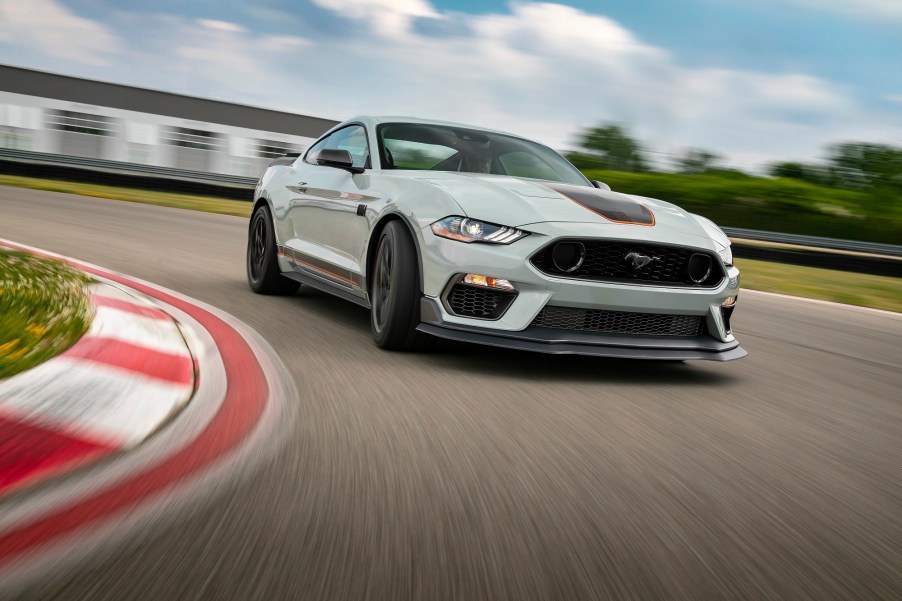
(492,361)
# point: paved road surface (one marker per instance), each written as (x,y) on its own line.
(471,473)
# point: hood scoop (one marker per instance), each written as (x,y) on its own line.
(610,205)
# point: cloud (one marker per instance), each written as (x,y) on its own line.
(52,29)
(220,25)
(542,70)
(545,69)
(387,17)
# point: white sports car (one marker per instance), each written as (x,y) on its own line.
(445,230)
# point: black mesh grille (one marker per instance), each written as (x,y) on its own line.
(606,261)
(620,322)
(479,302)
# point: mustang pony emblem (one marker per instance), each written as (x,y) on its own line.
(639,261)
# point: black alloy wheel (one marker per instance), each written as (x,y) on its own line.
(382,284)
(257,249)
(395,292)
(263,274)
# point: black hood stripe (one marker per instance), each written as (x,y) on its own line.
(618,210)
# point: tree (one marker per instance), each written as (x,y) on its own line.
(695,160)
(788,169)
(608,147)
(868,166)
(813,174)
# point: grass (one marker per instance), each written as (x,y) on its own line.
(167,199)
(843,287)
(44,309)
(878,292)
(776,205)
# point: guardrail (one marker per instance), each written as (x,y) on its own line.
(885,259)
(875,248)
(133,175)
(103,165)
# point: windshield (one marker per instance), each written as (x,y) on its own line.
(448,148)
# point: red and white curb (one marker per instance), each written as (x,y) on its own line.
(238,415)
(111,390)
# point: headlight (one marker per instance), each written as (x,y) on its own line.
(469,230)
(726,254)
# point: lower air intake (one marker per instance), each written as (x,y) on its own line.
(620,322)
(478,302)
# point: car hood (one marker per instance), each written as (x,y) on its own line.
(519,203)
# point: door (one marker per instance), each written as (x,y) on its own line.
(330,234)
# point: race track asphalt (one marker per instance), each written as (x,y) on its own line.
(471,473)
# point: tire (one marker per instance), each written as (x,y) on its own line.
(395,292)
(263,274)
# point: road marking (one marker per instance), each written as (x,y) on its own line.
(29,451)
(130,306)
(161,335)
(177,369)
(243,406)
(102,403)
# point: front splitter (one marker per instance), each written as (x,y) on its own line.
(625,347)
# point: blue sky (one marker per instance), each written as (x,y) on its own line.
(757,34)
(756,81)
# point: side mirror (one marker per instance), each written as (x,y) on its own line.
(334,157)
(600,185)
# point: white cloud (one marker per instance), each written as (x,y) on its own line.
(541,69)
(388,17)
(52,29)
(220,25)
(545,69)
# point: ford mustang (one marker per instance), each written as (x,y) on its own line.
(450,231)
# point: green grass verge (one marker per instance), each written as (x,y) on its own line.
(167,199)
(878,292)
(44,309)
(838,286)
(775,205)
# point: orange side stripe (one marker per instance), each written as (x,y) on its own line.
(320,269)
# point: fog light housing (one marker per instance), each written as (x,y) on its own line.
(474,279)
(726,311)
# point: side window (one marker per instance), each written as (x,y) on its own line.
(351,138)
(310,157)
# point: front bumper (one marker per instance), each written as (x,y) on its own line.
(569,342)
(445,260)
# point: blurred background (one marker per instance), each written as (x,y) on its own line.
(778,115)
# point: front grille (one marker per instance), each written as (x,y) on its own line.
(478,302)
(605,261)
(620,322)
